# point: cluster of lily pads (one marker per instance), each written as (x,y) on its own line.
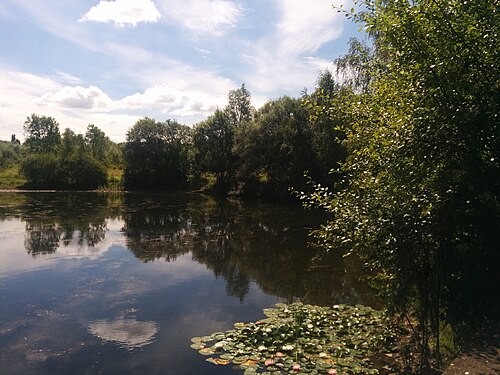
(298,338)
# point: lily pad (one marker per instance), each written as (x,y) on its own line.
(302,338)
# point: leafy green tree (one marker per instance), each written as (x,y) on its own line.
(357,66)
(423,169)
(71,143)
(325,84)
(98,143)
(41,171)
(42,134)
(239,107)
(327,114)
(156,155)
(59,162)
(81,171)
(213,144)
(10,153)
(277,147)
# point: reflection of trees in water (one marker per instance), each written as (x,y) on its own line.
(41,238)
(55,220)
(157,228)
(11,205)
(243,243)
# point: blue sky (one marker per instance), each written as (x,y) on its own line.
(110,63)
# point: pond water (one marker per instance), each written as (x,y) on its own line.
(118,284)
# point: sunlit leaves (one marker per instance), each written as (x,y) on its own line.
(422,175)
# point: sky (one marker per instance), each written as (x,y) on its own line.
(110,63)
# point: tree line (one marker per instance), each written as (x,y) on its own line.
(67,161)
(236,150)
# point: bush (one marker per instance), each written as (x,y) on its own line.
(41,170)
(75,172)
(82,172)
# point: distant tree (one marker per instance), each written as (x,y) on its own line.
(59,162)
(81,171)
(327,115)
(156,155)
(98,143)
(239,107)
(278,145)
(357,66)
(42,170)
(42,134)
(10,153)
(326,84)
(213,144)
(71,144)
(115,153)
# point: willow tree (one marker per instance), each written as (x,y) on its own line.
(422,205)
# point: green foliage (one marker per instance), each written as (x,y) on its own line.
(42,134)
(41,170)
(98,143)
(213,143)
(328,115)
(156,155)
(67,162)
(71,144)
(82,171)
(76,171)
(423,170)
(10,153)
(277,145)
(299,338)
(357,66)
(239,107)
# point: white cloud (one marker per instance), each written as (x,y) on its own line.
(173,101)
(198,105)
(17,93)
(161,96)
(67,78)
(307,25)
(190,96)
(20,96)
(91,98)
(123,12)
(203,17)
(284,59)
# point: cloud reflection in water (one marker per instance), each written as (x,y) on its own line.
(128,333)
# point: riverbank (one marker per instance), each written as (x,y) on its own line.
(481,356)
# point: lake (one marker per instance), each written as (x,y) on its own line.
(119,283)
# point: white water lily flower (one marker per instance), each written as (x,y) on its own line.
(261,348)
(288,347)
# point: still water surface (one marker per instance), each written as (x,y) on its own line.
(118,284)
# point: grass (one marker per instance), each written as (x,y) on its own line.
(11,178)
